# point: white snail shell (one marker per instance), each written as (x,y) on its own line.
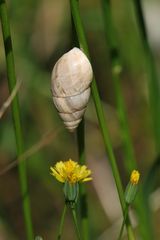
(70,84)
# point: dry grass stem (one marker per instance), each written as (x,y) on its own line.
(44,141)
(9,100)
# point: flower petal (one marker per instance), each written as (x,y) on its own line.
(87,179)
(71,171)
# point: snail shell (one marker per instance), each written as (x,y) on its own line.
(70,84)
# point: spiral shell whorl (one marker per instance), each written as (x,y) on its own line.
(71,78)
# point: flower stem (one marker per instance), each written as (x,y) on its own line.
(104,129)
(123,223)
(61,223)
(75,222)
(16,116)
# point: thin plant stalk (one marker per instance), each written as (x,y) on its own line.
(76,223)
(83,44)
(116,69)
(82,187)
(61,223)
(83,206)
(16,117)
(130,162)
(153,90)
(153,81)
(123,223)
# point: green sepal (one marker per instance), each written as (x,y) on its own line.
(130,192)
(71,192)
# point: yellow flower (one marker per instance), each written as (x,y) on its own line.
(70,171)
(135,175)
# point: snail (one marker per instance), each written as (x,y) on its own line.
(70,85)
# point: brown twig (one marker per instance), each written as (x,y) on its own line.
(7,103)
(44,141)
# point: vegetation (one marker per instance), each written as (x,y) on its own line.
(117,139)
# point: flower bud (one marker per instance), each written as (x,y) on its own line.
(71,192)
(132,187)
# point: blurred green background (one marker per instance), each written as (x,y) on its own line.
(41,32)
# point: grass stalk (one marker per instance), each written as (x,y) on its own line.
(76,223)
(123,223)
(153,90)
(61,223)
(16,116)
(83,45)
(83,206)
(153,81)
(82,187)
(116,68)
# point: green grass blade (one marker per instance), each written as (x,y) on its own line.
(16,116)
(83,44)
(116,69)
(83,206)
(153,81)
(129,157)
(83,192)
